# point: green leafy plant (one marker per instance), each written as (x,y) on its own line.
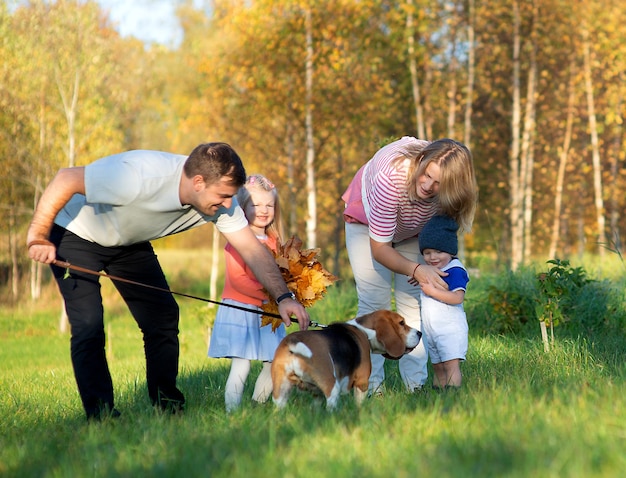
(507,301)
(557,287)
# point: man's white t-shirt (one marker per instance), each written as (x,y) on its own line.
(134,197)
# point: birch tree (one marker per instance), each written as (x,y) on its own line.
(311,214)
(64,86)
(595,152)
(563,156)
(412,60)
(516,206)
(471,72)
(528,136)
(522,148)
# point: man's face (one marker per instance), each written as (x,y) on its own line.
(209,198)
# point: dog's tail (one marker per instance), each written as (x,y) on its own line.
(301,349)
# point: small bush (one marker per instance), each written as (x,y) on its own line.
(598,306)
(514,302)
(502,303)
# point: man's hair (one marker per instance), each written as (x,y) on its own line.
(214,161)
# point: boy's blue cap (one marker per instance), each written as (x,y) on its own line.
(439,233)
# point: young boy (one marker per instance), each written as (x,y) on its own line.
(443,319)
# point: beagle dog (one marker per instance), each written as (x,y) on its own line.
(336,359)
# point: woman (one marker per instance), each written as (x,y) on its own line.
(388,203)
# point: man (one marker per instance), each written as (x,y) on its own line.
(103,216)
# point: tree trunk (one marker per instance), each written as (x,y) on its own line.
(471,73)
(515,214)
(452,87)
(615,168)
(544,336)
(291,190)
(581,234)
(36,268)
(528,155)
(311,222)
(595,154)
(429,116)
(469,99)
(64,324)
(15,270)
(564,153)
(339,222)
(415,87)
(70,109)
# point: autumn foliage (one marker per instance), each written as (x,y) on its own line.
(304,275)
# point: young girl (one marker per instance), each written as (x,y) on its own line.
(238,334)
(443,319)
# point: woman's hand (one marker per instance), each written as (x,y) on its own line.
(424,274)
(384,253)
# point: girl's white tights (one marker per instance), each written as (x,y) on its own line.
(263,386)
(239,370)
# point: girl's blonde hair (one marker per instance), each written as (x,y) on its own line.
(458,190)
(261,183)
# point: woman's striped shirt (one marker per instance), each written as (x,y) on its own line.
(391,216)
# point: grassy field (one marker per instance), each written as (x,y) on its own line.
(521,412)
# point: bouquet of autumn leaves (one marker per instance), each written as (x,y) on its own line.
(303,274)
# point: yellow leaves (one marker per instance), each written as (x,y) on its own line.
(304,275)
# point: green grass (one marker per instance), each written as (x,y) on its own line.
(521,412)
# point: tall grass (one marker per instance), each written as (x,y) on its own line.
(521,412)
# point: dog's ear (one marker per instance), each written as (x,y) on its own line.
(389,335)
(394,345)
(367,320)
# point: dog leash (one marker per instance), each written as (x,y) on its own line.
(67,265)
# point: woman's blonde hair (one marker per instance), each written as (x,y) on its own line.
(458,190)
(261,183)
